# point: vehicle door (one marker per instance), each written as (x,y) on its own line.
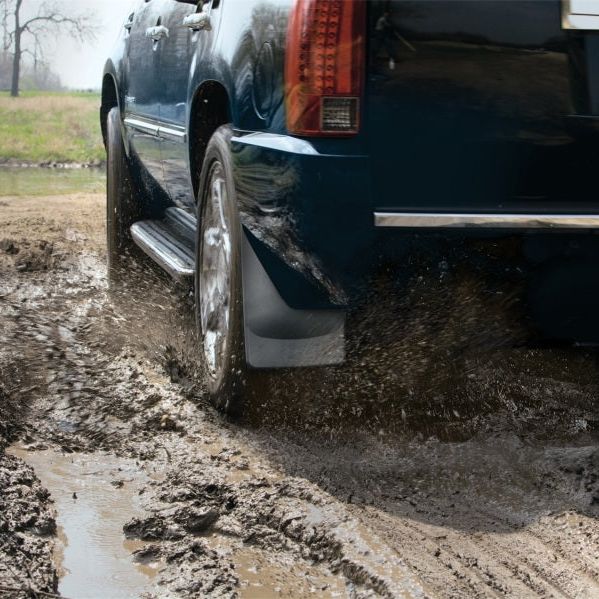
(189,43)
(142,101)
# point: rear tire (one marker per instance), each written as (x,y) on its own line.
(219,298)
(122,207)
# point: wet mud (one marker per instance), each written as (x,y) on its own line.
(92,495)
(440,462)
(27,517)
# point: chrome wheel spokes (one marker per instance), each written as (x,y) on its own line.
(215,273)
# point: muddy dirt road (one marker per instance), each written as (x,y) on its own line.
(117,479)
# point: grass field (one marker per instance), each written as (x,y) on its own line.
(59,127)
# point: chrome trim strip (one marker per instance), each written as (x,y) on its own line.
(177,135)
(579,20)
(142,126)
(490,221)
(157,129)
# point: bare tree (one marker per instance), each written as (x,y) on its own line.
(47,18)
(5,33)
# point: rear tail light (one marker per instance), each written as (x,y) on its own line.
(324,69)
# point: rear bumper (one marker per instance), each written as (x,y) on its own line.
(319,231)
(428,220)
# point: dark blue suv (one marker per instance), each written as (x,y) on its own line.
(272,151)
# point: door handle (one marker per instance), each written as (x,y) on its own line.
(129,23)
(157,33)
(198,21)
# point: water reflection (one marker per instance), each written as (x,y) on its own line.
(93,496)
(46,181)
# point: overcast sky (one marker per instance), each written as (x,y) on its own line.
(80,65)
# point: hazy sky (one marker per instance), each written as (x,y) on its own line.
(80,65)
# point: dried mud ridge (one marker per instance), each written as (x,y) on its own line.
(422,469)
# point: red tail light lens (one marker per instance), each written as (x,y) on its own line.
(324,69)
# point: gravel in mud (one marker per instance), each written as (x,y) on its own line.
(431,466)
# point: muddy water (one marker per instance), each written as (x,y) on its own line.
(47,181)
(93,495)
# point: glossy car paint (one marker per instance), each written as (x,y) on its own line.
(140,92)
(490,107)
(482,115)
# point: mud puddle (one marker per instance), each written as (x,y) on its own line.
(93,495)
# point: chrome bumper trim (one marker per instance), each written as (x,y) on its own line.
(488,221)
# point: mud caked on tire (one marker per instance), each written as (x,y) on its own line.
(122,205)
(218,282)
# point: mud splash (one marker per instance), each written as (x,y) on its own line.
(93,496)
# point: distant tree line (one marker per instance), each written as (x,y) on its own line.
(24,31)
(34,75)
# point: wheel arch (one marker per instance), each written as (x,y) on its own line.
(110,100)
(210,108)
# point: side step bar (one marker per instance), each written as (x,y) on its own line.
(169,241)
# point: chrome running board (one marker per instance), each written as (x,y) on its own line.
(485,221)
(170,242)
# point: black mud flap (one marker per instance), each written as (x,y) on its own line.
(277,336)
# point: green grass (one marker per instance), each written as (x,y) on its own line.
(59,127)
